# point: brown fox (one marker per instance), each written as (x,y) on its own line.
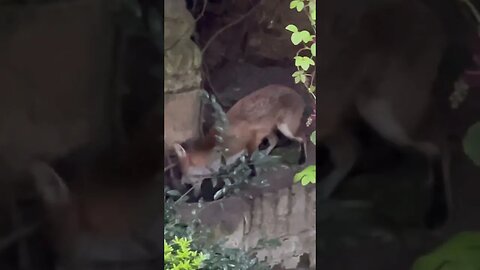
(252,119)
(106,207)
(381,72)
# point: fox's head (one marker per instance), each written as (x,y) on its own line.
(195,165)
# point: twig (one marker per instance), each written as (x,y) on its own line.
(301,50)
(241,18)
(312,81)
(185,194)
(169,167)
(310,19)
(202,13)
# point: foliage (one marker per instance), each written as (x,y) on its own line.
(313,137)
(462,252)
(305,57)
(235,176)
(305,63)
(179,256)
(214,254)
(239,174)
(306,176)
(471,143)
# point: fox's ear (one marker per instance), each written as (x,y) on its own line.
(180,151)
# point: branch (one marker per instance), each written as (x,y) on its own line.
(230,25)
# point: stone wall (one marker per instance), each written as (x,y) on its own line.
(287,215)
(182,75)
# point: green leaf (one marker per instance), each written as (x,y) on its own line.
(298,60)
(313,137)
(294,4)
(304,62)
(461,252)
(174,193)
(306,176)
(303,78)
(313,49)
(306,36)
(297,79)
(292,28)
(471,143)
(296,38)
(312,9)
(300,6)
(298,73)
(309,60)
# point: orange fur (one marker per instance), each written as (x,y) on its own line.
(381,71)
(250,120)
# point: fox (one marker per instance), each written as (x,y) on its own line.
(252,119)
(103,206)
(382,72)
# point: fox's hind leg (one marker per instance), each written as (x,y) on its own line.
(272,142)
(343,148)
(378,114)
(291,130)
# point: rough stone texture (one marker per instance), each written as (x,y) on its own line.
(52,54)
(273,17)
(259,36)
(280,211)
(181,116)
(293,226)
(182,75)
(182,56)
(287,215)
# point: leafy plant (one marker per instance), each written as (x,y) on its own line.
(305,74)
(179,256)
(471,143)
(240,173)
(202,244)
(462,252)
(306,176)
(235,176)
(305,57)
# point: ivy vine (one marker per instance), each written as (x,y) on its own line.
(305,63)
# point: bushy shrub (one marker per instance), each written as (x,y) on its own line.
(194,243)
(178,255)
